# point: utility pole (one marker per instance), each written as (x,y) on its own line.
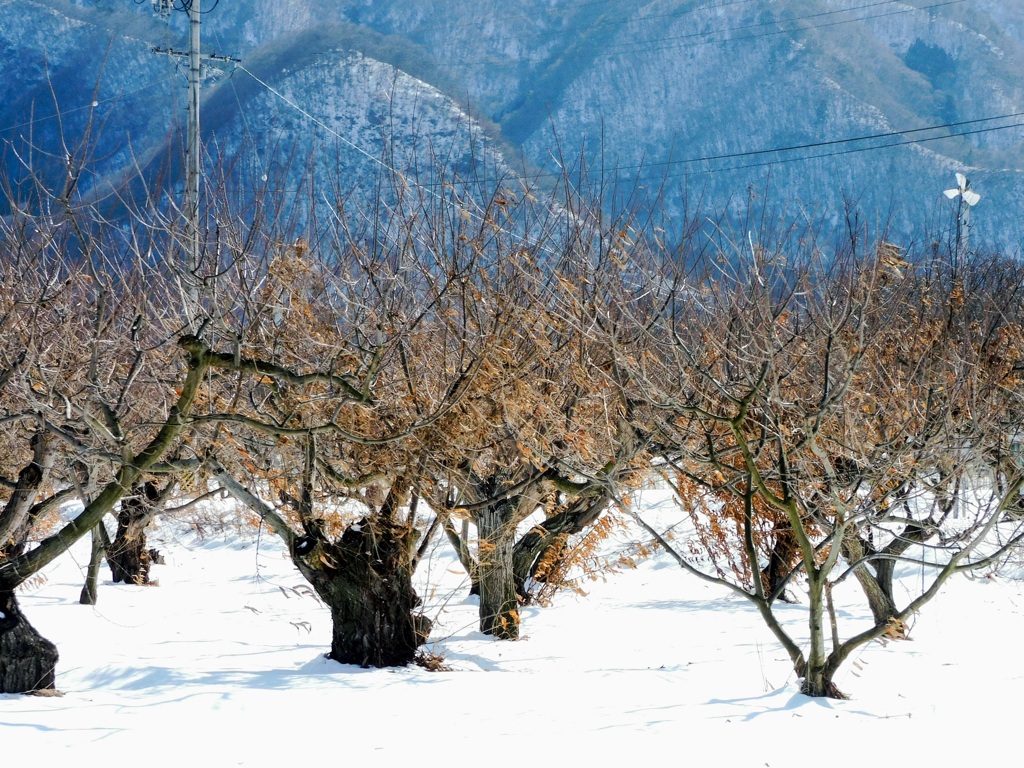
(193,148)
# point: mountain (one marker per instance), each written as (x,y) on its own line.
(685,98)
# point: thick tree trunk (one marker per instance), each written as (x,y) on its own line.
(128,557)
(28,661)
(883,609)
(499,605)
(366,580)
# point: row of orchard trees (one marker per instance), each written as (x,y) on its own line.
(820,410)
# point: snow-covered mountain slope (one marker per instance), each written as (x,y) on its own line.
(685,94)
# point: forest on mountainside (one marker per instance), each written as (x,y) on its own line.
(824,108)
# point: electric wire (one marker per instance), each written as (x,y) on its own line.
(314,119)
(647,18)
(625,48)
(185,6)
(778,153)
(826,155)
(91,105)
(781,150)
(241,112)
(847,140)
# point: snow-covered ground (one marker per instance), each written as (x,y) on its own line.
(223,664)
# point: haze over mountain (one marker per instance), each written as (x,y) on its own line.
(682,95)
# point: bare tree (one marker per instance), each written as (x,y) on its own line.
(813,410)
(334,462)
(71,410)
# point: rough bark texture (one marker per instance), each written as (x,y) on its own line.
(365,578)
(20,512)
(128,557)
(499,605)
(28,661)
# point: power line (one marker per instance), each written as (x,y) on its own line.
(241,112)
(431,189)
(848,140)
(624,46)
(90,105)
(317,121)
(676,13)
(780,150)
(825,155)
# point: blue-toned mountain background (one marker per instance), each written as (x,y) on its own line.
(680,98)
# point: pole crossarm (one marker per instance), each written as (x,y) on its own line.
(185,54)
(193,163)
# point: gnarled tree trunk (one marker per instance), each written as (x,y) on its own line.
(365,578)
(28,661)
(128,557)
